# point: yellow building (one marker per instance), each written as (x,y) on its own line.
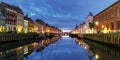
(30,24)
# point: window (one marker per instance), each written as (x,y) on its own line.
(102,18)
(112,25)
(106,16)
(111,14)
(118,25)
(118,12)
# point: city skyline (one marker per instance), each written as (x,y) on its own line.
(62,14)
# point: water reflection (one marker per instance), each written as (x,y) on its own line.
(19,50)
(98,51)
(103,52)
(82,44)
(57,48)
(63,49)
(16,53)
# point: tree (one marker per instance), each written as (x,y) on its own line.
(91,25)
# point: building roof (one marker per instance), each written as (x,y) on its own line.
(40,21)
(16,8)
(27,18)
(90,14)
(108,7)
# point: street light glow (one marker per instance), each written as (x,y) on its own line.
(96,56)
(96,23)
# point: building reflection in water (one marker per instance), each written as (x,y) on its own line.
(19,50)
(99,51)
(16,53)
(82,44)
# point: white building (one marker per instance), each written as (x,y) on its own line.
(89,19)
(85,27)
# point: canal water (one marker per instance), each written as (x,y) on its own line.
(64,49)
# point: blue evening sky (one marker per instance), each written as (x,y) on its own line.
(64,14)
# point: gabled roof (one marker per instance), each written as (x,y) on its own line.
(40,21)
(16,8)
(27,18)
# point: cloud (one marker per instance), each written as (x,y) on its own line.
(61,13)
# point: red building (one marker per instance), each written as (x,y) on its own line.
(108,20)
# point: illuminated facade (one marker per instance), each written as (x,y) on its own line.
(10,16)
(25,26)
(82,28)
(89,19)
(108,19)
(30,23)
(36,27)
(76,30)
(40,26)
(20,20)
(13,17)
(2,20)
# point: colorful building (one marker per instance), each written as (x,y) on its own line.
(2,20)
(30,23)
(76,30)
(40,25)
(25,26)
(10,16)
(108,20)
(20,20)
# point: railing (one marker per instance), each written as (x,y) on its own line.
(5,37)
(111,38)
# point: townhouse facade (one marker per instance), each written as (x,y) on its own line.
(108,20)
(2,20)
(10,16)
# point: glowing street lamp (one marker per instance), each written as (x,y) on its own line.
(97,56)
(96,23)
(102,26)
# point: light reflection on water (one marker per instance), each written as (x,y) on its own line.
(103,52)
(64,49)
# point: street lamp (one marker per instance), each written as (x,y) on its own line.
(102,26)
(96,23)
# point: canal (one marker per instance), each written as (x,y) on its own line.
(64,49)
(57,48)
